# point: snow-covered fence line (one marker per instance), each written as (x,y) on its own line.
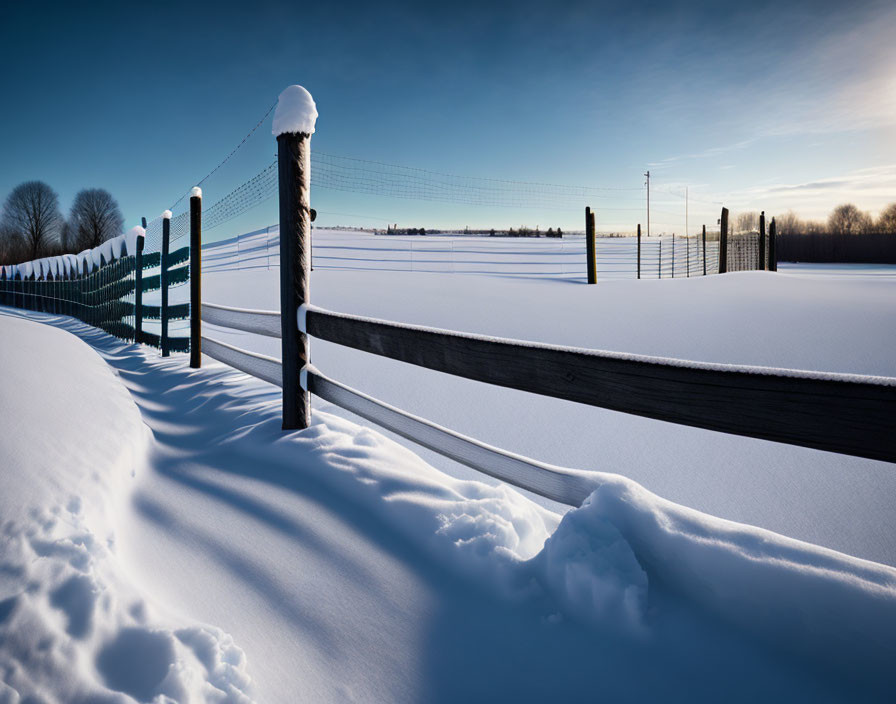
(104,287)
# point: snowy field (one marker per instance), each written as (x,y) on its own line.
(163,538)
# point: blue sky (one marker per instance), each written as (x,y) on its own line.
(770,106)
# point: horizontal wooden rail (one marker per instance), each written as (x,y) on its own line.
(260,322)
(849,414)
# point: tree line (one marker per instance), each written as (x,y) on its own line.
(33,226)
(846,219)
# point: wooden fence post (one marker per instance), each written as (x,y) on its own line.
(293,126)
(762,266)
(195,277)
(138,289)
(590,254)
(772,246)
(723,242)
(163,280)
(704,250)
(639,250)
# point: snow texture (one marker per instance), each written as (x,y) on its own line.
(526,289)
(73,625)
(164,540)
(339,540)
(296,112)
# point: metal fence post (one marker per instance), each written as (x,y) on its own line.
(704,250)
(723,242)
(163,280)
(762,265)
(293,126)
(590,254)
(639,250)
(138,289)
(772,246)
(195,277)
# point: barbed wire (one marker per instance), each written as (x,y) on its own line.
(349,174)
(249,194)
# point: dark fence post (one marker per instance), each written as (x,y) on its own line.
(138,289)
(687,254)
(639,250)
(673,255)
(195,277)
(772,246)
(762,266)
(659,258)
(723,242)
(293,126)
(704,250)
(590,254)
(143,221)
(163,280)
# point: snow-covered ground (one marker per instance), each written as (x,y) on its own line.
(163,537)
(837,324)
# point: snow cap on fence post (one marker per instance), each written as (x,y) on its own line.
(195,192)
(296,112)
(166,215)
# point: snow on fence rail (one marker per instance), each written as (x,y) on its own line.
(844,413)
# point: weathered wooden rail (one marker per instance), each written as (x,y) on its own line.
(849,414)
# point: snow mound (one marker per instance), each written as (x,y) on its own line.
(817,602)
(73,627)
(295,113)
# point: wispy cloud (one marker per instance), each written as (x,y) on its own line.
(870,189)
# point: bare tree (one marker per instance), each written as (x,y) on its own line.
(790,224)
(12,249)
(848,219)
(887,220)
(32,210)
(747,222)
(95,218)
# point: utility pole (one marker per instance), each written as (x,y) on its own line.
(648,202)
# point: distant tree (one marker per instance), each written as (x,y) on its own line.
(559,232)
(491,233)
(848,219)
(95,218)
(550,232)
(32,211)
(12,246)
(790,224)
(886,222)
(747,222)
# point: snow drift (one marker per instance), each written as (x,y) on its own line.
(72,626)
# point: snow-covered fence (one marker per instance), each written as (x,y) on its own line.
(104,287)
(848,414)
